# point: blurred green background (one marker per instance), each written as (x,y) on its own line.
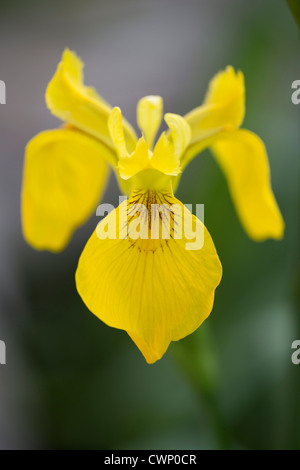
(72,382)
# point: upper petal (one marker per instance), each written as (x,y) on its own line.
(223,109)
(70,100)
(224,105)
(149,116)
(155,289)
(243,159)
(132,164)
(171,145)
(164,158)
(64,175)
(180,132)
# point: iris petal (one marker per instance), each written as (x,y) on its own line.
(155,289)
(70,100)
(243,159)
(136,162)
(224,106)
(149,116)
(65,173)
(222,110)
(164,158)
(180,132)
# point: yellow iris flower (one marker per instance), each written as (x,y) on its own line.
(156,290)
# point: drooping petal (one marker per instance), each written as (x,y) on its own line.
(65,173)
(155,288)
(71,101)
(243,159)
(223,109)
(149,117)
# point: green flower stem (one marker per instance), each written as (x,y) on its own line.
(196,356)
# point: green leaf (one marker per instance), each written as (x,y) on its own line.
(295,9)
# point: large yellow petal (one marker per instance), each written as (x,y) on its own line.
(70,100)
(243,159)
(64,175)
(155,289)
